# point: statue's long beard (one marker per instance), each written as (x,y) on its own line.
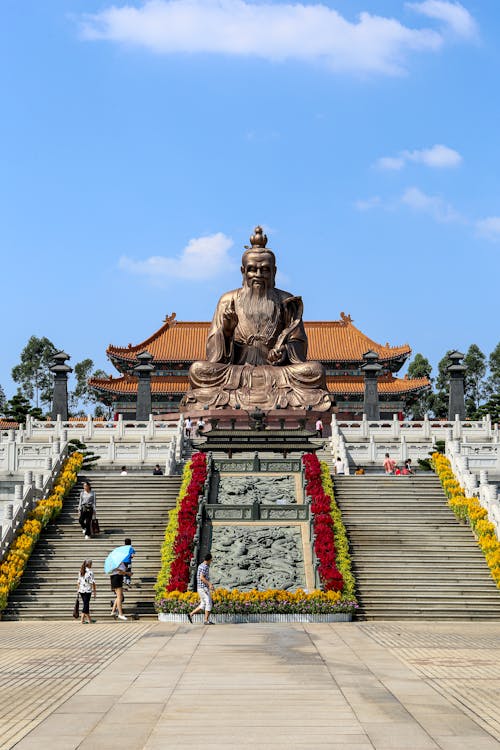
(260,306)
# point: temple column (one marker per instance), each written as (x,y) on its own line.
(143,369)
(457,370)
(60,371)
(371,370)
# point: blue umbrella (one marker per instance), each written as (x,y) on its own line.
(115,557)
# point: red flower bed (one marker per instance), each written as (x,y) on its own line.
(186,529)
(324,542)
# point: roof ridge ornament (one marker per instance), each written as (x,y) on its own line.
(346,319)
(258,239)
(170,319)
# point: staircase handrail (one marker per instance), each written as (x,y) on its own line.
(32,492)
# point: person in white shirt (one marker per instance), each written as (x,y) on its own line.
(85,586)
(319,427)
(339,466)
(123,472)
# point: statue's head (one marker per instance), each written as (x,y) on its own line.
(258,264)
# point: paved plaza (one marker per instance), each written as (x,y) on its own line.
(347,685)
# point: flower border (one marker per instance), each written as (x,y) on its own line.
(469,509)
(173,578)
(46,510)
(179,535)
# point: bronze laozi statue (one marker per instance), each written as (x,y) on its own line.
(257,346)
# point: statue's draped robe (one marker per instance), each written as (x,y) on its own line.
(237,371)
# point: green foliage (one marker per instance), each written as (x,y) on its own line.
(83,393)
(19,407)
(3,401)
(89,457)
(420,367)
(441,396)
(493,382)
(475,386)
(33,373)
(491,407)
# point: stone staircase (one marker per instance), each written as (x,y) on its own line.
(136,506)
(412,559)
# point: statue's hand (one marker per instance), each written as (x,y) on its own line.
(229,319)
(276,355)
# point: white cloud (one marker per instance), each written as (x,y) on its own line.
(437,157)
(203,258)
(272,31)
(433,205)
(365,205)
(489,228)
(454,15)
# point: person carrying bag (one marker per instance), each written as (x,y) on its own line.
(86,509)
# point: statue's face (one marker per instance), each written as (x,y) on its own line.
(258,271)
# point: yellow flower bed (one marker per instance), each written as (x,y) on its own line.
(272,601)
(12,568)
(470,509)
(342,556)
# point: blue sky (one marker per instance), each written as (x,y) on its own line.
(140,143)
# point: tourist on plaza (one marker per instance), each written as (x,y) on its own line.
(204,588)
(127,580)
(408,467)
(319,427)
(187,427)
(86,509)
(85,587)
(117,586)
(339,466)
(389,464)
(157,471)
(200,426)
(123,471)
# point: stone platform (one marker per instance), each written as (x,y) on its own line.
(276,419)
(340,686)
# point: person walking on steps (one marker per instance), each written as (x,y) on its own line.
(85,587)
(117,586)
(204,588)
(86,509)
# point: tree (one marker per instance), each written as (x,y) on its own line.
(3,400)
(420,367)
(19,407)
(493,382)
(33,373)
(475,387)
(82,392)
(491,407)
(441,396)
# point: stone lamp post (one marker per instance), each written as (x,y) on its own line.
(143,370)
(371,370)
(60,371)
(457,370)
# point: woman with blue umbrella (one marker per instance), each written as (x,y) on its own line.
(116,567)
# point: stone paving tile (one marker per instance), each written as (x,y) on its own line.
(301,686)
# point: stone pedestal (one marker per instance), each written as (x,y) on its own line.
(143,370)
(371,370)
(457,370)
(60,371)
(275,419)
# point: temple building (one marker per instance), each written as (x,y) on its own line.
(337,344)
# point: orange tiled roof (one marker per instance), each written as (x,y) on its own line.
(6,424)
(335,340)
(336,385)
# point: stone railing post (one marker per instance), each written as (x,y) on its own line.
(364,427)
(395,427)
(457,427)
(120,429)
(89,428)
(18,493)
(111,449)
(427,427)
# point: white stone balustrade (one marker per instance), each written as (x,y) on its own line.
(465,467)
(425,429)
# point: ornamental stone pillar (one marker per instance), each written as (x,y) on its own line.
(457,370)
(60,370)
(371,370)
(143,370)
